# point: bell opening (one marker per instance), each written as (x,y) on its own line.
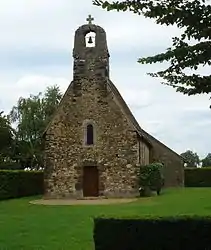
(90,39)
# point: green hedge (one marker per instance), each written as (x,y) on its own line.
(10,166)
(198,177)
(163,233)
(19,183)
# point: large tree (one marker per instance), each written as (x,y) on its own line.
(189,51)
(191,158)
(206,162)
(32,115)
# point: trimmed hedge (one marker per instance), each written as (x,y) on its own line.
(198,177)
(10,166)
(179,233)
(20,183)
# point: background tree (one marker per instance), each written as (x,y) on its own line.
(189,51)
(206,162)
(51,100)
(32,116)
(6,138)
(191,158)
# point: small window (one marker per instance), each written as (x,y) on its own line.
(106,72)
(139,152)
(89,134)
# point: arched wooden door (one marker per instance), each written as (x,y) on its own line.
(90,181)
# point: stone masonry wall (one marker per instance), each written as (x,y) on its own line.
(114,152)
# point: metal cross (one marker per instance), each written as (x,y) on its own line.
(90,19)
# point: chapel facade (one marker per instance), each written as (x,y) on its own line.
(93,145)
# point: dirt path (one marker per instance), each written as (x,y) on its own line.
(81,202)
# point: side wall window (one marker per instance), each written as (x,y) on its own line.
(139,152)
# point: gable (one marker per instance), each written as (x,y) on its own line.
(116,97)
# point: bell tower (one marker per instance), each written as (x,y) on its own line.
(90,53)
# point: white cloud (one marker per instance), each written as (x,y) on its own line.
(140,98)
(29,84)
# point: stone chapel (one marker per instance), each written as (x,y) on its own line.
(93,145)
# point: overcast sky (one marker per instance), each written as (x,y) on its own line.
(36,51)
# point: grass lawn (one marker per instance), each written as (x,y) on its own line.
(24,226)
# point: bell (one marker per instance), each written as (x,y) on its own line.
(90,40)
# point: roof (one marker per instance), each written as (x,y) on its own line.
(146,136)
(127,111)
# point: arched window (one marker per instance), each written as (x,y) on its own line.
(89,134)
(90,39)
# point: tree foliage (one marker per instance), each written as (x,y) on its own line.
(189,51)
(206,162)
(151,178)
(191,158)
(32,115)
(6,137)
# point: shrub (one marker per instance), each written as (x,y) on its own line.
(198,177)
(162,233)
(151,178)
(19,183)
